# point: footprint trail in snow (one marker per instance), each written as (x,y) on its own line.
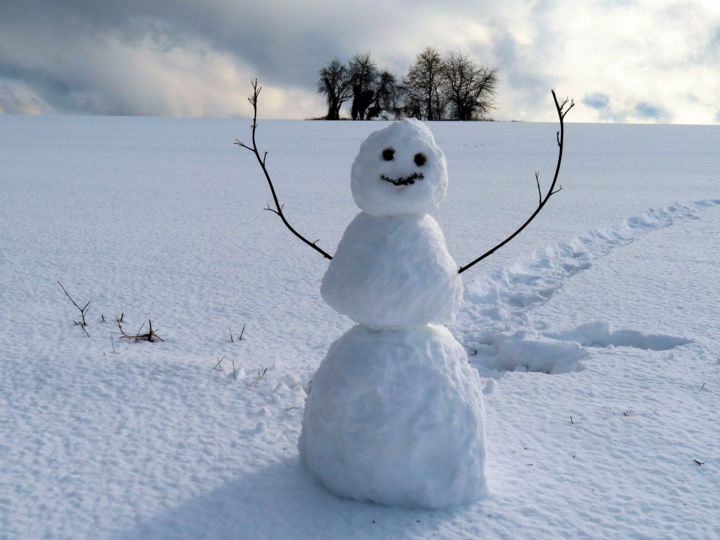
(496,323)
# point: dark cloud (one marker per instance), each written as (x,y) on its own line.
(597,100)
(648,111)
(275,39)
(170,57)
(247,30)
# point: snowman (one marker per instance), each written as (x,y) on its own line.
(395,412)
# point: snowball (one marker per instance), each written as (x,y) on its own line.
(396,417)
(393,272)
(405,154)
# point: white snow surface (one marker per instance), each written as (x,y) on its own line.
(393,273)
(595,332)
(374,176)
(396,418)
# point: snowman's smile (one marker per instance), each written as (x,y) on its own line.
(403,180)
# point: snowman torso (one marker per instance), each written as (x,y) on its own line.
(392,273)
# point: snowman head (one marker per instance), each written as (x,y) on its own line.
(399,171)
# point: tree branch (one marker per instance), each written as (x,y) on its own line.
(82,323)
(261,161)
(562,110)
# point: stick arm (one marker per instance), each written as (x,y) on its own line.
(253,99)
(562,110)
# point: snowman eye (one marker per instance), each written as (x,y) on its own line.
(420,159)
(388,154)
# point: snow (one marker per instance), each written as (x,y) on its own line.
(396,418)
(393,272)
(162,219)
(399,170)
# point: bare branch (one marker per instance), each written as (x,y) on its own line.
(83,311)
(561,112)
(537,181)
(260,375)
(150,335)
(74,303)
(218,366)
(253,99)
(232,339)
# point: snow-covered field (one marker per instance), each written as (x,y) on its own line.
(596,332)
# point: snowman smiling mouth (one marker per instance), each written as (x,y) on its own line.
(403,180)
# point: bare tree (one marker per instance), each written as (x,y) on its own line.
(336,84)
(364,75)
(423,86)
(385,96)
(469,86)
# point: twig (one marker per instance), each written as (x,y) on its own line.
(562,110)
(218,366)
(253,99)
(239,338)
(150,335)
(83,310)
(699,463)
(261,374)
(233,363)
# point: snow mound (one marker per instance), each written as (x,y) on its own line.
(393,273)
(399,170)
(598,334)
(396,418)
(521,351)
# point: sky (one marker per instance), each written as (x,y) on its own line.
(638,61)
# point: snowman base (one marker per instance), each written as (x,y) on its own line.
(396,417)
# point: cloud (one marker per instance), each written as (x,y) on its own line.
(598,100)
(648,111)
(19,98)
(164,57)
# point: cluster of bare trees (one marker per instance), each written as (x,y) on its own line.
(453,87)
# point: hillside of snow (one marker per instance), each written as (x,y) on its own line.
(596,332)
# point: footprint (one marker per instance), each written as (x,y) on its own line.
(496,325)
(534,280)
